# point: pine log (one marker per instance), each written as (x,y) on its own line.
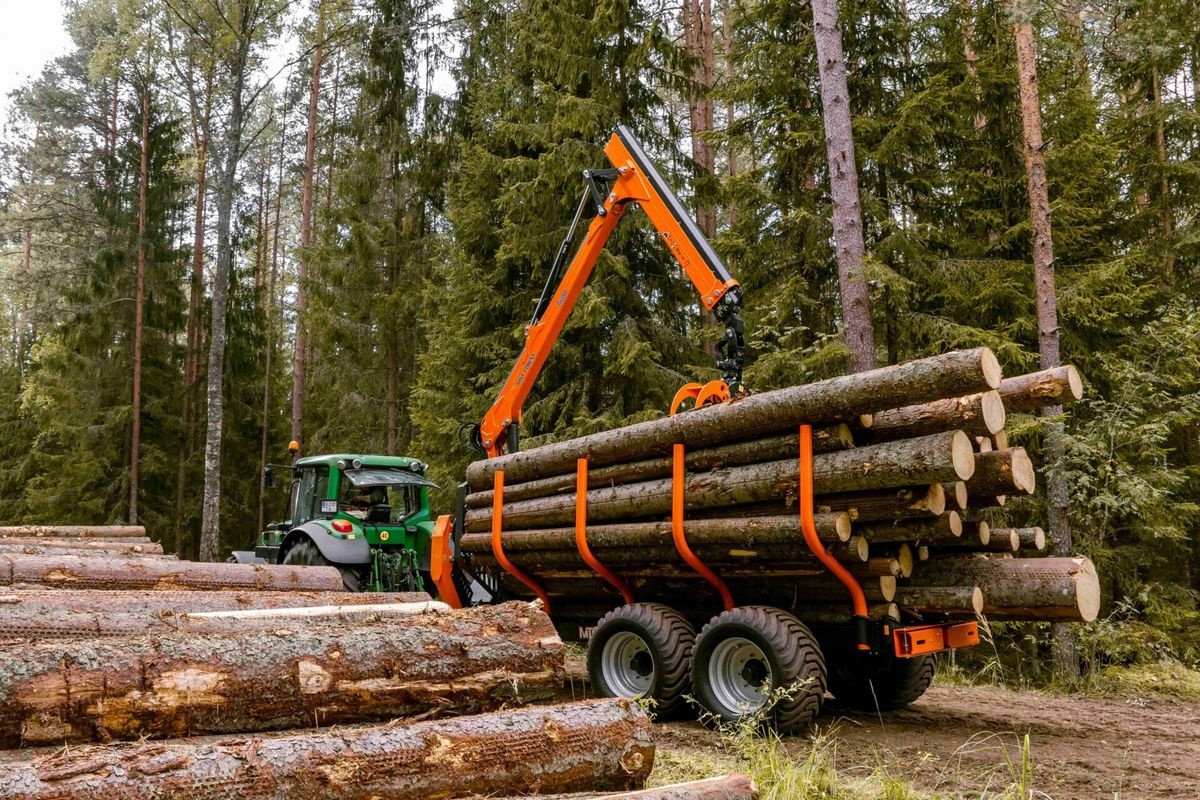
(1062,589)
(1031,538)
(1000,440)
(940,599)
(981,500)
(141,546)
(1050,387)
(987,540)
(842,612)
(35,548)
(826,439)
(186,684)
(946,528)
(602,744)
(725,787)
(928,459)
(1003,472)
(979,414)
(43,602)
(829,401)
(819,590)
(74,531)
(914,502)
(958,497)
(75,572)
(984,444)
(922,552)
(743,532)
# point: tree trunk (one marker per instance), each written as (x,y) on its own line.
(929,459)
(299,358)
(834,400)
(1167,218)
(186,684)
(80,531)
(977,414)
(1055,386)
(843,184)
(1022,588)
(602,745)
(726,787)
(748,532)
(825,440)
(139,304)
(72,572)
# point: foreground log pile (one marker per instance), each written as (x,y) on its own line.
(228,687)
(906,459)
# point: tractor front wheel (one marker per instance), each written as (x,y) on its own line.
(305,554)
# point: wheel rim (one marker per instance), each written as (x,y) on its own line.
(627,666)
(740,675)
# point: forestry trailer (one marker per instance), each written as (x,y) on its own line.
(770,563)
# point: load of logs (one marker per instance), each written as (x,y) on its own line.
(219,680)
(908,461)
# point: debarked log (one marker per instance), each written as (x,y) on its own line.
(737,531)
(185,684)
(829,401)
(1064,588)
(73,531)
(601,745)
(928,459)
(826,439)
(1049,387)
(75,572)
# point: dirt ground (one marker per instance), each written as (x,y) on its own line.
(954,741)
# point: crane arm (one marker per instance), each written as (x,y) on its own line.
(631,179)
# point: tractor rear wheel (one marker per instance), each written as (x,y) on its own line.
(304,553)
(643,650)
(759,663)
(888,689)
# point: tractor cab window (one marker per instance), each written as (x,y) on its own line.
(311,489)
(379,505)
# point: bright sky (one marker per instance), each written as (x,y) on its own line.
(31,35)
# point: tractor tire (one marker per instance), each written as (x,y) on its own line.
(305,554)
(760,664)
(891,689)
(643,650)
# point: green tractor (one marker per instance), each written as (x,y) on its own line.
(366,515)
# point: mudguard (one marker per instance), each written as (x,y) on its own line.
(246,557)
(336,550)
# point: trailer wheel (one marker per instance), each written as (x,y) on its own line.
(642,650)
(305,554)
(757,661)
(890,689)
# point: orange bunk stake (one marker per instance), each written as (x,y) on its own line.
(681,545)
(809,527)
(581,543)
(439,562)
(498,545)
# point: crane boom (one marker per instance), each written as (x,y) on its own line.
(632,178)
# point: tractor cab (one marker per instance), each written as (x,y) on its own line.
(367,515)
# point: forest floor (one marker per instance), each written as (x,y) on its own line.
(965,742)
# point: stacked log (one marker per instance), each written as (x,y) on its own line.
(905,459)
(80,572)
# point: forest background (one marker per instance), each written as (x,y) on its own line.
(204,253)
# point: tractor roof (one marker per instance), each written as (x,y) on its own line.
(367,460)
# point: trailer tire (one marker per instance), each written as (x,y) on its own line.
(305,553)
(905,680)
(643,650)
(744,655)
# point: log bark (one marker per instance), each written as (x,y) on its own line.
(1027,538)
(1059,588)
(914,502)
(1002,472)
(946,528)
(980,414)
(604,744)
(1036,390)
(36,548)
(73,572)
(184,684)
(98,546)
(829,401)
(725,787)
(743,532)
(940,599)
(826,439)
(928,459)
(71,531)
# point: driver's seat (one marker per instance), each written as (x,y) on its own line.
(380,514)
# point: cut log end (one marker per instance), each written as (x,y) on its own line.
(887,587)
(1024,477)
(991,407)
(954,523)
(1087,591)
(1074,384)
(963,456)
(990,367)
